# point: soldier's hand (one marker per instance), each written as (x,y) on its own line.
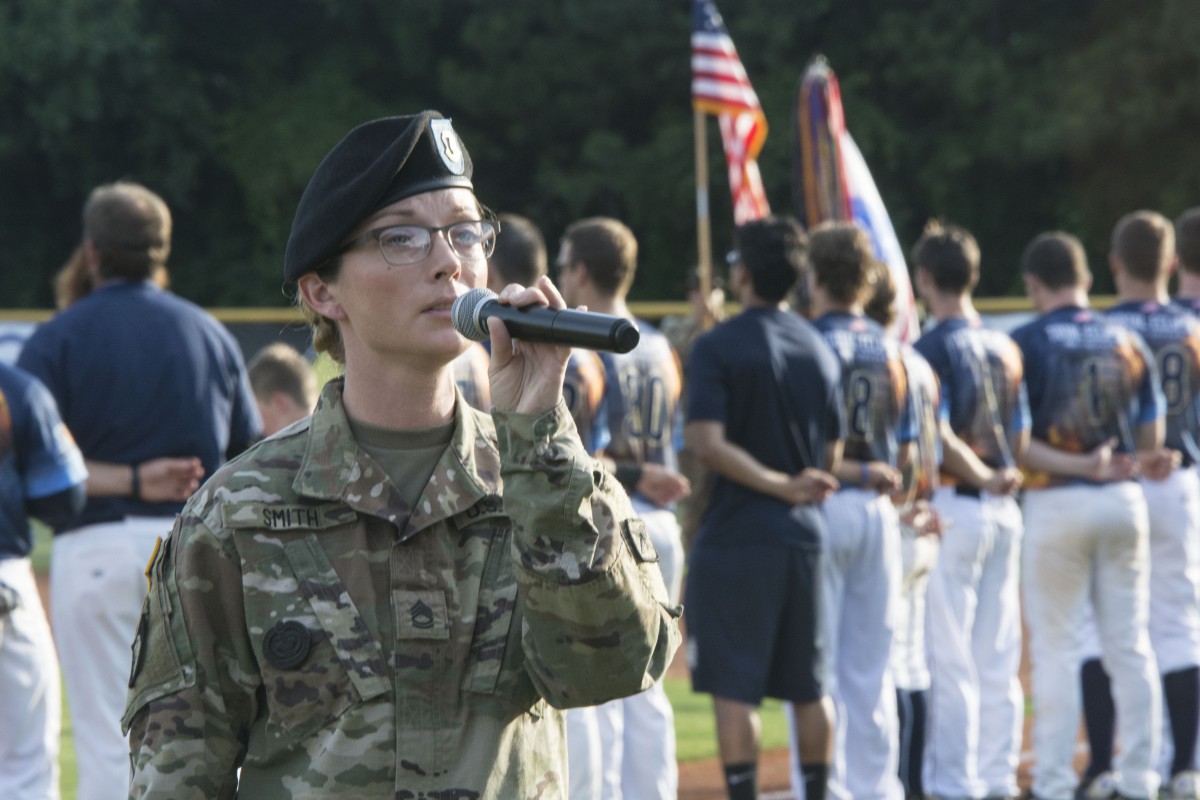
(526,377)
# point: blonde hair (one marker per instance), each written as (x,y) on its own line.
(279,367)
(326,336)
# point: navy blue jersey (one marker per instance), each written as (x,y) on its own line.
(879,417)
(982,380)
(1173,335)
(584,394)
(1190,304)
(1089,380)
(929,409)
(139,373)
(771,380)
(38,458)
(642,394)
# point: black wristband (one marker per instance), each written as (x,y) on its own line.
(135,484)
(629,475)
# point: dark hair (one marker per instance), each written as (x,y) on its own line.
(520,255)
(881,305)
(772,250)
(843,261)
(609,250)
(1056,259)
(130,227)
(1187,239)
(950,255)
(1144,243)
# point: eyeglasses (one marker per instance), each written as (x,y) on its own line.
(474,240)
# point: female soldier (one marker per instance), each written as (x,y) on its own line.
(387,600)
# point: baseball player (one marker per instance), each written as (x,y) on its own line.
(141,376)
(1094,400)
(920,528)
(765,414)
(1141,258)
(42,475)
(583,393)
(1187,248)
(862,564)
(284,384)
(974,619)
(597,261)
(520,257)
(1187,295)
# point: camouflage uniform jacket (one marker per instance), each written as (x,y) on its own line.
(303,623)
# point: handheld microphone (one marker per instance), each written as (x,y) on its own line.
(541,324)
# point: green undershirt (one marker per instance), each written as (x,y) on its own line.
(408,457)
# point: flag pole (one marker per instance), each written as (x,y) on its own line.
(703,234)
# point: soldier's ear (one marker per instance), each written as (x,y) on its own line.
(320,296)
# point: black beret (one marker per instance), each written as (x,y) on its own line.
(373,166)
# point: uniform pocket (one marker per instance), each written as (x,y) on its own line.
(316,656)
(497,662)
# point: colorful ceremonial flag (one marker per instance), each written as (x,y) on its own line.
(720,86)
(833,183)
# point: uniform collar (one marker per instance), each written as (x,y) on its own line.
(334,467)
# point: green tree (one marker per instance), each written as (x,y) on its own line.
(1007,116)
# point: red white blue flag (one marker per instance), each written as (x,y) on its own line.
(832,178)
(720,86)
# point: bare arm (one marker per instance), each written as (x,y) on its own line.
(656,482)
(707,440)
(962,462)
(160,479)
(1099,464)
(1150,435)
(876,475)
(1155,461)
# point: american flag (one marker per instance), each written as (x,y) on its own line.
(720,86)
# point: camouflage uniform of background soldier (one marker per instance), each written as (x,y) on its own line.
(307,623)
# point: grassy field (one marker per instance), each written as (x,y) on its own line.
(695,729)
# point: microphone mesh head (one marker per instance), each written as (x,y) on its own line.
(464,313)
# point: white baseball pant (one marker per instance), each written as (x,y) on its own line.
(30,692)
(1090,544)
(976,708)
(97,586)
(861,576)
(637,734)
(1174,623)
